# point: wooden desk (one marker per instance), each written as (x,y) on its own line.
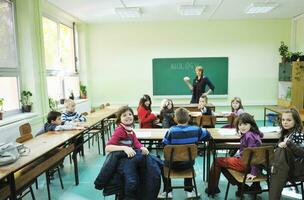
(193,106)
(279,110)
(39,147)
(46,143)
(95,121)
(219,139)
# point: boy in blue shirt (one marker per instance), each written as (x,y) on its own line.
(183,133)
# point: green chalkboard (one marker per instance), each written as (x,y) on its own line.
(168,74)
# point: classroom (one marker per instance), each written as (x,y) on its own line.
(86,63)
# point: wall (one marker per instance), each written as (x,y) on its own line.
(299,34)
(121,56)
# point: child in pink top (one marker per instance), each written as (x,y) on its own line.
(124,138)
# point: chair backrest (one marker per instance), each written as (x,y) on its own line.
(206,120)
(258,155)
(25,129)
(184,152)
(85,113)
(231,119)
(24,138)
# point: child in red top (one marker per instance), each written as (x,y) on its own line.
(124,138)
(146,118)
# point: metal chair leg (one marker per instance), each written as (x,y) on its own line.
(32,193)
(60,179)
(227,190)
(48,184)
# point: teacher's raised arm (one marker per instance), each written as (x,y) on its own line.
(199,84)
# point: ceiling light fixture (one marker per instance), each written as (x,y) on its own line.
(191,10)
(128,12)
(256,8)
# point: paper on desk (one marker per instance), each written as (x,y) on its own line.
(228,131)
(143,134)
(270,129)
(194,114)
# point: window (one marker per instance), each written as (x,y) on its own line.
(9,72)
(62,77)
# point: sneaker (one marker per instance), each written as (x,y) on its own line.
(211,192)
(192,194)
(163,195)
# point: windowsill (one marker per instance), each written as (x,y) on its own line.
(16,117)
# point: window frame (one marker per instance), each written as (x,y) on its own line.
(13,71)
(61,73)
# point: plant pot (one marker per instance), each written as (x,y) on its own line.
(27,108)
(82,96)
(294,58)
(1,115)
(62,101)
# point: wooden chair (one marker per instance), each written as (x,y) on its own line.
(206,121)
(252,156)
(174,153)
(25,129)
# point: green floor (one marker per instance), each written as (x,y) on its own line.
(89,167)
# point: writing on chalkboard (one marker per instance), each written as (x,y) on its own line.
(183,66)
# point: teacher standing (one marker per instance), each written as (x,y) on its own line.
(198,86)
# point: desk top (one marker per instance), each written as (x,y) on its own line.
(45,143)
(218,134)
(39,146)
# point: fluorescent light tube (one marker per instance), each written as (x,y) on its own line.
(189,10)
(255,8)
(128,12)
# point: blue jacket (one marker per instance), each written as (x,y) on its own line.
(138,177)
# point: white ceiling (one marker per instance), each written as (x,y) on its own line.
(93,11)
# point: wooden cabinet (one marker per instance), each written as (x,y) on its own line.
(285,71)
(291,85)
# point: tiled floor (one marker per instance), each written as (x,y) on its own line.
(89,167)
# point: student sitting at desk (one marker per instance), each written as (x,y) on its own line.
(145,116)
(202,105)
(70,115)
(167,113)
(288,162)
(250,137)
(183,133)
(236,109)
(54,123)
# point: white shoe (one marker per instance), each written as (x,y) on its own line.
(163,195)
(192,194)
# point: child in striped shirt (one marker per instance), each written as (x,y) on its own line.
(70,115)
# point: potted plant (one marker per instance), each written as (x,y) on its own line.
(295,56)
(1,108)
(283,49)
(83,91)
(25,101)
(53,104)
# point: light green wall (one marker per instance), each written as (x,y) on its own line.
(299,34)
(121,56)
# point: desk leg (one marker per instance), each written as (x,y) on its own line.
(74,156)
(103,138)
(264,116)
(11,181)
(208,160)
